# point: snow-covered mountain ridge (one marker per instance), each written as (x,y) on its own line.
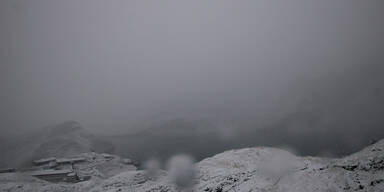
(256,169)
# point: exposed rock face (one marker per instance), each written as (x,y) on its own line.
(251,169)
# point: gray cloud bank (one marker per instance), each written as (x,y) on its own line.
(313,66)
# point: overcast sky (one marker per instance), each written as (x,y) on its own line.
(108,64)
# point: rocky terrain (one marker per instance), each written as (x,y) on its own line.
(256,169)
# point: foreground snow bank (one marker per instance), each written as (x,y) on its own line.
(251,169)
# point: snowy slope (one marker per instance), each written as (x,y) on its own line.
(251,169)
(268,169)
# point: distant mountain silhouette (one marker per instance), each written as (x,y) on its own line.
(62,140)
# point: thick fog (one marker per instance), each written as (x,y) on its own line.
(317,66)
